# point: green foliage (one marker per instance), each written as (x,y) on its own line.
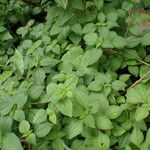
(74,74)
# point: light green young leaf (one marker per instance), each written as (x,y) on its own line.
(11,142)
(40,116)
(137,137)
(141,113)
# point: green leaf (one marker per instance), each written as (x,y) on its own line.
(5,36)
(65,107)
(6,123)
(131,54)
(112,16)
(114,111)
(124,77)
(103,122)
(19,115)
(42,129)
(40,116)
(118,85)
(31,138)
(145,39)
(6,103)
(78,4)
(118,42)
(104,141)
(62,3)
(139,94)
(89,120)
(24,127)
(98,3)
(75,38)
(141,113)
(53,117)
(5,75)
(11,141)
(137,137)
(77,28)
(39,76)
(58,144)
(101,17)
(133,70)
(91,38)
(18,59)
(22,31)
(89,28)
(75,128)
(132,41)
(35,91)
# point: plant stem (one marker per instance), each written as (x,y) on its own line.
(138,81)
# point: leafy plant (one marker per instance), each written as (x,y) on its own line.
(74,74)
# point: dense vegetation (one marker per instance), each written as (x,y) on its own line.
(74,74)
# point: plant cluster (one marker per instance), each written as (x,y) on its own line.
(74,74)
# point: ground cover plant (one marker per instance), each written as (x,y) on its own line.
(74,74)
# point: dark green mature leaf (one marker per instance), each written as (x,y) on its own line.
(141,113)
(43,129)
(24,126)
(98,3)
(103,122)
(137,137)
(18,59)
(6,123)
(145,39)
(139,94)
(5,75)
(70,69)
(6,103)
(75,128)
(11,141)
(40,116)
(35,91)
(65,107)
(91,38)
